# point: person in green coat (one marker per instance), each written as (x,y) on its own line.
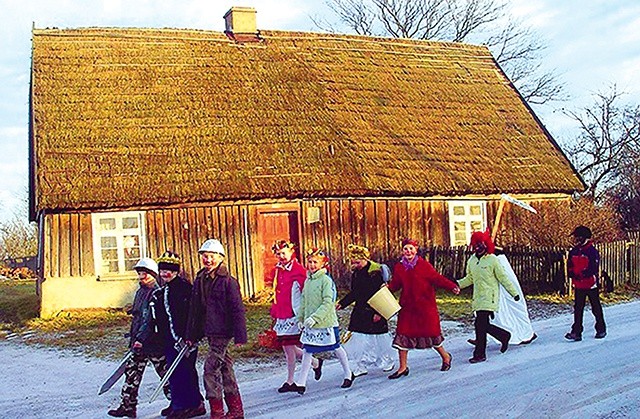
(485,273)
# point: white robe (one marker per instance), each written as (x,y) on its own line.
(513,315)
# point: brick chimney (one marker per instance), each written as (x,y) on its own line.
(240,24)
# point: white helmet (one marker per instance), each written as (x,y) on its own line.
(212,245)
(147,264)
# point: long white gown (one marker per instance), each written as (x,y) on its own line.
(513,315)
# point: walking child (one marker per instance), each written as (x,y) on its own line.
(485,273)
(143,341)
(370,342)
(319,320)
(584,267)
(288,282)
(218,314)
(171,310)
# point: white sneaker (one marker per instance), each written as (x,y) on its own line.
(359,373)
(388,368)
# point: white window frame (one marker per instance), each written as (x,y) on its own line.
(467,218)
(119,233)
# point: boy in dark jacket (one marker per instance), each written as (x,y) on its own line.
(171,309)
(151,350)
(584,266)
(217,312)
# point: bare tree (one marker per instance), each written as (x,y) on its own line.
(607,153)
(18,237)
(516,47)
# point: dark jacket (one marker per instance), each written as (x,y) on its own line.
(364,283)
(216,307)
(172,328)
(142,312)
(584,266)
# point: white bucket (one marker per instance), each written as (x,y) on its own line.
(384,303)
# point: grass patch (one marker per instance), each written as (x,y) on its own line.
(18,303)
(100,332)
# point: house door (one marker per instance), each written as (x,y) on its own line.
(272,226)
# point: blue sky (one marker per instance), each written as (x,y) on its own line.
(592,44)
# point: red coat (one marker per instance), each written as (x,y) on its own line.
(282,307)
(419,314)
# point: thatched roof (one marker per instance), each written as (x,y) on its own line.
(128,117)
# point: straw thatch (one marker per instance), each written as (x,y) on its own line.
(129,117)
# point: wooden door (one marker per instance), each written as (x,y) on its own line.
(272,226)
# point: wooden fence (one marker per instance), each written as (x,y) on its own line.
(541,270)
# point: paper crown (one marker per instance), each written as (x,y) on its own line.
(315,252)
(169,261)
(358,252)
(282,244)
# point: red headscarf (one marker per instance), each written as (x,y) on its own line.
(412,242)
(484,237)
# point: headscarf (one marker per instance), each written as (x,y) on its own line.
(483,237)
(412,242)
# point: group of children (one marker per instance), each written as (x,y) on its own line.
(170,314)
(306,321)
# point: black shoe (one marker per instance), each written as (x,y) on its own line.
(317,372)
(528,341)
(505,343)
(285,388)
(297,389)
(348,381)
(572,336)
(471,342)
(446,366)
(601,335)
(122,412)
(477,359)
(398,374)
(166,411)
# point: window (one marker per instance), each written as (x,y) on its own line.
(118,241)
(465,217)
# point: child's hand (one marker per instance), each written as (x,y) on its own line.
(309,322)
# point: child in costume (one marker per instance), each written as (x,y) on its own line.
(288,282)
(318,319)
(369,342)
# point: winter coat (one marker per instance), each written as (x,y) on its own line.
(216,307)
(418,316)
(486,274)
(584,266)
(141,329)
(286,279)
(172,324)
(364,283)
(318,300)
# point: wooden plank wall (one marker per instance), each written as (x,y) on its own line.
(183,231)
(67,246)
(379,224)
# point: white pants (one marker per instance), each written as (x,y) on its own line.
(367,350)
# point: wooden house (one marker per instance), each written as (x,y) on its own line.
(143,140)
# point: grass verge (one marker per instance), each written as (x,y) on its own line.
(100,332)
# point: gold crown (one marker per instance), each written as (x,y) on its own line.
(169,257)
